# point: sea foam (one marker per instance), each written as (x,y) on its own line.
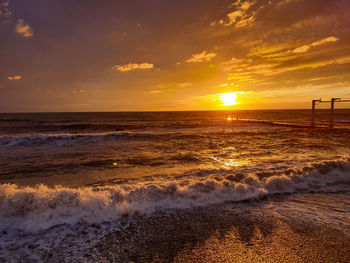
(38,208)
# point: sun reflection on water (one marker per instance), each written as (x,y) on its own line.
(228,159)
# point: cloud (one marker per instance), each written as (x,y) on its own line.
(133,66)
(78,91)
(168,86)
(156,91)
(301,49)
(242,16)
(5,11)
(23,29)
(201,57)
(286,51)
(316,22)
(305,48)
(233,64)
(184,84)
(17,77)
(284,2)
(324,41)
(263,72)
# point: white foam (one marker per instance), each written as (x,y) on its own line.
(38,208)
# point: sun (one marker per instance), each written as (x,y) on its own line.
(228,98)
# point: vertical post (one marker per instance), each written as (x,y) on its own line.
(314,102)
(313,113)
(331,121)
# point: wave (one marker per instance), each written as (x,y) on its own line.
(38,208)
(37,139)
(68,138)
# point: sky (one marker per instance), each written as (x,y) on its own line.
(136,55)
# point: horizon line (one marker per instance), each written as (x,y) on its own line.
(154,111)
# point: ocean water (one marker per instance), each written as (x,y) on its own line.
(93,173)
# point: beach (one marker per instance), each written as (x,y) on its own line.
(228,233)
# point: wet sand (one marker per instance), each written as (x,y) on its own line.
(225,233)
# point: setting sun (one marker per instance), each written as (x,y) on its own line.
(228,98)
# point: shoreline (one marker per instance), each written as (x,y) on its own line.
(225,233)
(284,228)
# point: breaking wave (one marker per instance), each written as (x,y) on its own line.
(41,207)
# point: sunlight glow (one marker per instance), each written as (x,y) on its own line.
(228,98)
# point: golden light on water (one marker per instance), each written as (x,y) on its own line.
(229,98)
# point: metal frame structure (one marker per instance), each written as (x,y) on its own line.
(332,101)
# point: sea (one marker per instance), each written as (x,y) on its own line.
(68,180)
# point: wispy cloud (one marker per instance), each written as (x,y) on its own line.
(243,15)
(284,2)
(173,85)
(324,41)
(269,73)
(81,91)
(23,29)
(305,48)
(16,77)
(301,49)
(233,64)
(155,91)
(201,57)
(5,13)
(286,51)
(168,86)
(184,84)
(133,66)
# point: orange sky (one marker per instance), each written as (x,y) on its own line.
(172,55)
